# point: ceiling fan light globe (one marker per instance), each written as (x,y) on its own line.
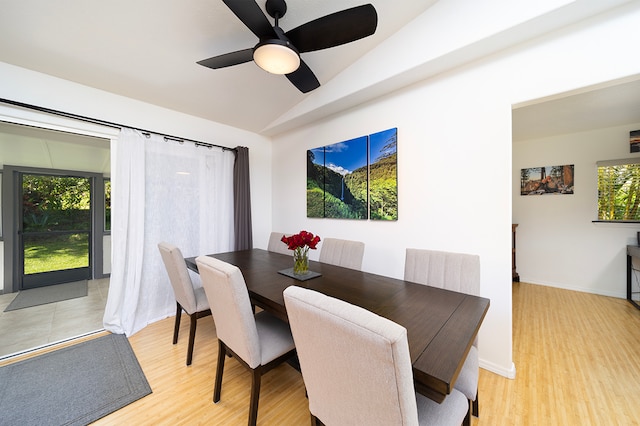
(276,57)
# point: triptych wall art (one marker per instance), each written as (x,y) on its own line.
(546,180)
(354,179)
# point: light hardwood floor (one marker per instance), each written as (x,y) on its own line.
(577,357)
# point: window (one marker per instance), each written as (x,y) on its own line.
(107,204)
(619,190)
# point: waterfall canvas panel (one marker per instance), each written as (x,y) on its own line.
(340,178)
(337,176)
(383,175)
(315,182)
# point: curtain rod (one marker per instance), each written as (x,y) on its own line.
(110,124)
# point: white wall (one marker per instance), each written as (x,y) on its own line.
(557,243)
(443,202)
(455,159)
(18,84)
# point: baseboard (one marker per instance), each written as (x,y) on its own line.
(616,294)
(497,369)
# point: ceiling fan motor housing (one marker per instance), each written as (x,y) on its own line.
(276,8)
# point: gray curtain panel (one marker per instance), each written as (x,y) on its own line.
(242,200)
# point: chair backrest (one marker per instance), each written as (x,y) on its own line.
(344,253)
(276,245)
(355,364)
(179,276)
(231,308)
(452,271)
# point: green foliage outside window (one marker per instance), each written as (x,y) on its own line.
(107,205)
(619,192)
(56,202)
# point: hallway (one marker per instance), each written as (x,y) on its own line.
(29,328)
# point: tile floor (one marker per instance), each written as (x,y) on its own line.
(29,328)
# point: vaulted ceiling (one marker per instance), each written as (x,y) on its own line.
(148,49)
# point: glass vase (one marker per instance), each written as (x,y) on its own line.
(300,261)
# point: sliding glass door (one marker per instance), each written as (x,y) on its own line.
(54,233)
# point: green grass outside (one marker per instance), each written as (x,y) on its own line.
(55,253)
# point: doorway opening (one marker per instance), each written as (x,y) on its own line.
(53,151)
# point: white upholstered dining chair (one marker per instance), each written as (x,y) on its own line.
(356,366)
(192,300)
(276,245)
(259,342)
(458,272)
(343,253)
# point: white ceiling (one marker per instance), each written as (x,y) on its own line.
(607,105)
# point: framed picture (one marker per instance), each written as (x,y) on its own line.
(546,180)
(634,141)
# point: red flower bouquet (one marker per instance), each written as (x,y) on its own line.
(300,243)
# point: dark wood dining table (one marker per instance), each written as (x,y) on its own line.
(441,324)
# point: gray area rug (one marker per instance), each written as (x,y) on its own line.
(48,294)
(75,385)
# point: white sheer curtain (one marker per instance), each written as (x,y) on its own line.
(162,191)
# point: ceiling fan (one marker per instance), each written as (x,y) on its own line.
(278,52)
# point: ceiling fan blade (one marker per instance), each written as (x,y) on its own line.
(228,59)
(303,78)
(251,15)
(335,29)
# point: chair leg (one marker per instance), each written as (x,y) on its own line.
(255,395)
(467,417)
(316,421)
(192,336)
(475,410)
(222,349)
(176,328)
